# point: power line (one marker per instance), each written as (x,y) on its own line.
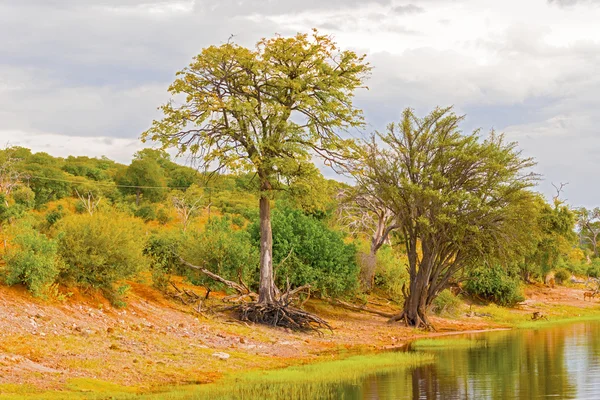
(107,184)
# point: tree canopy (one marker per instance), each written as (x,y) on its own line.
(456,198)
(265,110)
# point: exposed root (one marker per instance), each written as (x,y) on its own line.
(281,315)
(418,322)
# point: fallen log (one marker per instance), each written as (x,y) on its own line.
(354,307)
(241,289)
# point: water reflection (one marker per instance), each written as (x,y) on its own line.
(561,362)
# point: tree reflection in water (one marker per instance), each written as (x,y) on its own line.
(560,362)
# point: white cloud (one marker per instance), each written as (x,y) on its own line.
(86,77)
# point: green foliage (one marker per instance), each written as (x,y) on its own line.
(493,283)
(162,216)
(446,303)
(561,276)
(222,250)
(162,249)
(593,271)
(24,196)
(305,251)
(33,262)
(147,212)
(54,215)
(456,199)
(145,178)
(101,249)
(552,237)
(391,272)
(47,180)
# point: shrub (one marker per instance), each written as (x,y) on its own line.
(33,262)
(24,196)
(391,273)
(163,249)
(53,216)
(562,275)
(313,254)
(101,249)
(593,271)
(222,250)
(492,283)
(147,212)
(446,303)
(163,217)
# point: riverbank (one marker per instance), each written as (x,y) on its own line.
(83,345)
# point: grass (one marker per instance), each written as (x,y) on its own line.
(554,313)
(563,320)
(309,381)
(432,344)
(319,380)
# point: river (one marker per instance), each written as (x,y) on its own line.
(561,362)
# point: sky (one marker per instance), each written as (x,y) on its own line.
(86,77)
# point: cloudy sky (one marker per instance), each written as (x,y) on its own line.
(85,77)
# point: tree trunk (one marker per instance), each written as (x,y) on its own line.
(416,306)
(137,197)
(267,290)
(368,264)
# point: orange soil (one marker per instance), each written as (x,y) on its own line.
(157,341)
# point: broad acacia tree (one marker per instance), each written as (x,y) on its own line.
(456,199)
(265,110)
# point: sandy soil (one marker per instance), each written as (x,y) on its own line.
(156,341)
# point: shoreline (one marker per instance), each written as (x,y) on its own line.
(84,345)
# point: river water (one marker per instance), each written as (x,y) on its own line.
(561,362)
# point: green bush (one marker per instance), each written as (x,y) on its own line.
(163,250)
(33,262)
(147,212)
(593,271)
(561,276)
(222,250)
(391,273)
(446,303)
(102,249)
(53,216)
(24,196)
(313,254)
(493,283)
(163,217)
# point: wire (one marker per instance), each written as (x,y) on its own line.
(108,184)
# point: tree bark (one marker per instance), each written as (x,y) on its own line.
(137,197)
(267,290)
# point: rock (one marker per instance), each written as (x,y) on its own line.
(221,356)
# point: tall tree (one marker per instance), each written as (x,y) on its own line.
(143,177)
(265,110)
(552,236)
(457,199)
(588,223)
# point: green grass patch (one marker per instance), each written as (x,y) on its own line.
(319,380)
(553,320)
(431,344)
(97,386)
